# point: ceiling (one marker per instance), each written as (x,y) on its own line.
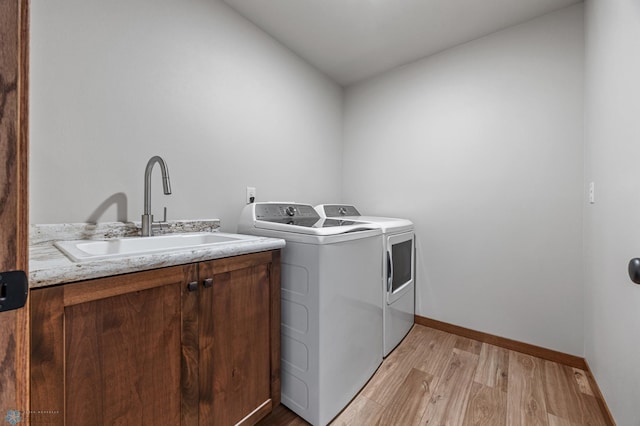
(350,40)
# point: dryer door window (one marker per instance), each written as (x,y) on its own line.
(400,260)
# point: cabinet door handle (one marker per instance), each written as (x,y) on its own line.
(208,283)
(192,286)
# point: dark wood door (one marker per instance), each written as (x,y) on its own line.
(108,351)
(235,337)
(14,31)
(123,359)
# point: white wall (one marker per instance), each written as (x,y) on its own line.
(116,82)
(612,224)
(481,146)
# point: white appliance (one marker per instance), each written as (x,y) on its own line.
(398,270)
(331,326)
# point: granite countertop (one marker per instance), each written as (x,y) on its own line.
(49,266)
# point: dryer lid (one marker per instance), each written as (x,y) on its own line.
(349,212)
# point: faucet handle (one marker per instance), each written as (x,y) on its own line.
(157,224)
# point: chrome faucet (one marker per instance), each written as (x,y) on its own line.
(147,217)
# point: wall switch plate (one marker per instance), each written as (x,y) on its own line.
(251,194)
(592,193)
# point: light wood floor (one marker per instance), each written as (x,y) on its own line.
(437,378)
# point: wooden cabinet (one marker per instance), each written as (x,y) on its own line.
(147,348)
(235,377)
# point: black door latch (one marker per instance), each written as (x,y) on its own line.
(14,288)
(634,270)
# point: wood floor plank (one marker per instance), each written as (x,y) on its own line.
(558,421)
(487,406)
(526,401)
(435,353)
(361,410)
(448,402)
(282,416)
(493,367)
(564,398)
(582,380)
(592,415)
(561,392)
(420,343)
(410,401)
(468,345)
(394,369)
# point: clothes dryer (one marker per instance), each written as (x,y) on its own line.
(331,330)
(398,270)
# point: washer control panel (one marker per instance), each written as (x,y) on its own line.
(277,212)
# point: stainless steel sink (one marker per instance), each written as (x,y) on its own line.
(87,250)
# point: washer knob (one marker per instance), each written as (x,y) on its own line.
(291,211)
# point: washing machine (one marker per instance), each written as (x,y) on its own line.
(331,323)
(398,270)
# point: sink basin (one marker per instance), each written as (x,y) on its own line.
(86,250)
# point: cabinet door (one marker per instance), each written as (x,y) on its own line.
(108,351)
(235,340)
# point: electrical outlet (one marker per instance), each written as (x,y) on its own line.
(251,194)
(592,193)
